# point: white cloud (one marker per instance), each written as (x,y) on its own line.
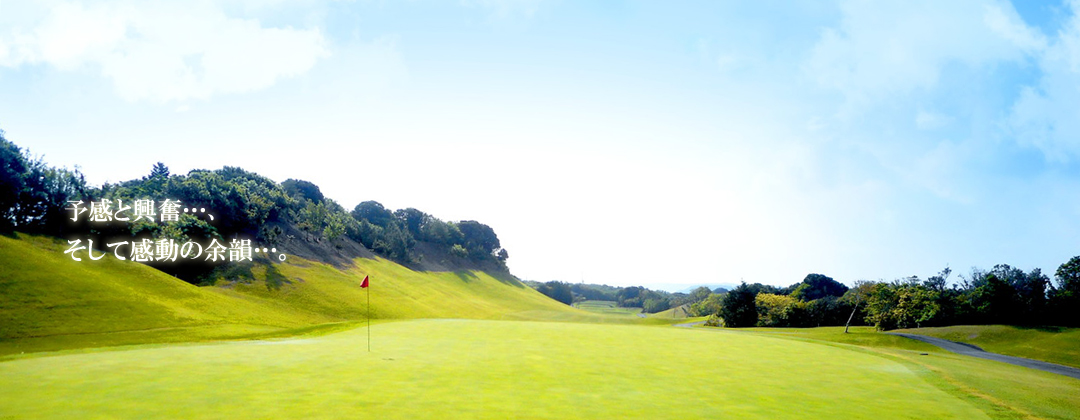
(882,50)
(362,70)
(1047,116)
(163,52)
(1011,28)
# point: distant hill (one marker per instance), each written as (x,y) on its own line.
(51,301)
(689,287)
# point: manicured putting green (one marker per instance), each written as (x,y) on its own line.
(480,369)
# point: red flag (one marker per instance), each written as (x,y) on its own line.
(364,284)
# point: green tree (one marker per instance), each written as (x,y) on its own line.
(12,181)
(778,310)
(709,306)
(374,213)
(159,171)
(816,286)
(653,305)
(1065,297)
(414,221)
(302,190)
(459,251)
(699,294)
(480,239)
(380,230)
(1031,289)
(856,295)
(905,303)
(738,308)
(557,290)
(630,297)
(33,195)
(996,301)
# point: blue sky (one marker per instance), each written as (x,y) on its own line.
(616,142)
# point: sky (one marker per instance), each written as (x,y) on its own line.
(616,142)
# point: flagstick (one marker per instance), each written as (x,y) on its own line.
(369,318)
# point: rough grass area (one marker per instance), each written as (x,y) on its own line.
(488,369)
(51,302)
(1050,344)
(47,294)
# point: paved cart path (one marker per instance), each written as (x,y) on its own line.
(975,351)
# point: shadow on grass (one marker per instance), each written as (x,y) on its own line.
(507,278)
(242,272)
(465,276)
(274,278)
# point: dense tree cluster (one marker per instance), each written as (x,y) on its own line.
(396,233)
(650,301)
(35,198)
(1003,295)
(817,300)
(557,290)
(32,194)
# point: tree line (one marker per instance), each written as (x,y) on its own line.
(1002,295)
(35,198)
(650,301)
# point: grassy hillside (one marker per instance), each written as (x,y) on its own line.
(1059,345)
(676,312)
(398,292)
(53,302)
(47,295)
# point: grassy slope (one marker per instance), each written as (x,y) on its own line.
(487,369)
(47,294)
(1060,346)
(397,292)
(676,312)
(50,301)
(606,307)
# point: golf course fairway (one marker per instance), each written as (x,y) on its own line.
(481,369)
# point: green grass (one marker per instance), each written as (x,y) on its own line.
(1055,345)
(454,368)
(606,307)
(398,292)
(51,302)
(1004,390)
(858,336)
(1011,391)
(498,369)
(676,312)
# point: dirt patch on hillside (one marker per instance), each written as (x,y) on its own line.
(338,252)
(433,257)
